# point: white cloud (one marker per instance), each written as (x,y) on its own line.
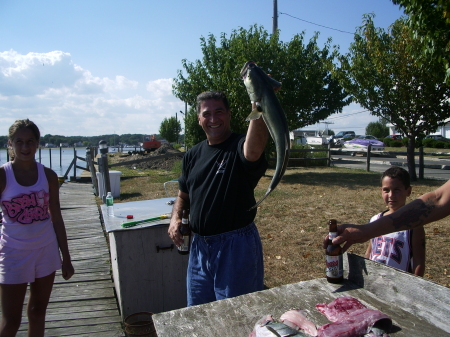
(65,99)
(161,87)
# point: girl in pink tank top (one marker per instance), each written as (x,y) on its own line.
(33,234)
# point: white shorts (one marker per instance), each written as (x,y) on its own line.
(25,266)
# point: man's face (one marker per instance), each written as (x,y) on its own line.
(215,119)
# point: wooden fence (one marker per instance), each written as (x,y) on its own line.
(103,166)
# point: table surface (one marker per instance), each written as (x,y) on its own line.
(416,306)
(140,210)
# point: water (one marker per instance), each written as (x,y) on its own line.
(60,164)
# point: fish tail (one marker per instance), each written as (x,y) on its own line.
(261,200)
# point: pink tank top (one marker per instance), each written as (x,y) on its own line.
(26,222)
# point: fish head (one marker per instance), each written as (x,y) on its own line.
(257,81)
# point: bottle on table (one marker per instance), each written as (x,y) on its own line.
(334,260)
(186,232)
(110,204)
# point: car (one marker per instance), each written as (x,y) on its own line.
(341,136)
(395,137)
(438,138)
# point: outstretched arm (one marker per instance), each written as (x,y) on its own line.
(256,138)
(431,206)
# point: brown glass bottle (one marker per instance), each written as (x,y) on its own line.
(186,232)
(334,268)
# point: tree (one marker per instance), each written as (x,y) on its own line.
(430,22)
(308,95)
(377,129)
(170,129)
(387,74)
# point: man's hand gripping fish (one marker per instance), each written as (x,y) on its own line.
(261,89)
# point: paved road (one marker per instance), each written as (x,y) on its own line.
(435,168)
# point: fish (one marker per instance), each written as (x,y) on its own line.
(296,318)
(267,327)
(261,90)
(282,330)
(259,328)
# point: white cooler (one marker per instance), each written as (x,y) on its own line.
(114,180)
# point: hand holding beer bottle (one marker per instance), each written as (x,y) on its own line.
(183,249)
(334,260)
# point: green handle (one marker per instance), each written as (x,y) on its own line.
(137,222)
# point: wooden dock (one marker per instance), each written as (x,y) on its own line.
(85,305)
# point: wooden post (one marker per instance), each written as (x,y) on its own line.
(50,156)
(421,162)
(40,154)
(369,148)
(104,169)
(7,154)
(106,174)
(90,165)
(75,164)
(60,155)
(329,155)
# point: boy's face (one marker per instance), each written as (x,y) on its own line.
(394,193)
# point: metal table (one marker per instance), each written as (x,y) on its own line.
(149,274)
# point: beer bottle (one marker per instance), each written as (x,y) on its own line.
(334,260)
(186,232)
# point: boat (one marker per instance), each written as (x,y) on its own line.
(361,143)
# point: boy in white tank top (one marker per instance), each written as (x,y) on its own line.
(403,250)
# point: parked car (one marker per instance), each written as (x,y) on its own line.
(438,138)
(339,138)
(395,137)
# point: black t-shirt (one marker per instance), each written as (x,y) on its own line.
(220,183)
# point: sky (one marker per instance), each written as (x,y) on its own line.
(96,67)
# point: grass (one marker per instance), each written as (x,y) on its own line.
(293,220)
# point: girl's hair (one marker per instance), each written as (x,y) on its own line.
(22,124)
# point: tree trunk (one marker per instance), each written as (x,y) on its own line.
(410,158)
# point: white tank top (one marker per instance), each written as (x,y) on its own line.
(26,222)
(392,249)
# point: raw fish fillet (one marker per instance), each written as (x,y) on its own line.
(296,319)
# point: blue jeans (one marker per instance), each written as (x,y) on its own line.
(225,265)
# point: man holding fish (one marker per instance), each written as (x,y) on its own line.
(217,184)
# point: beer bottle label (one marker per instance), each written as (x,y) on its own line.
(334,266)
(185,245)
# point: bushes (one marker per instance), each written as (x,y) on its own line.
(437,144)
(392,143)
